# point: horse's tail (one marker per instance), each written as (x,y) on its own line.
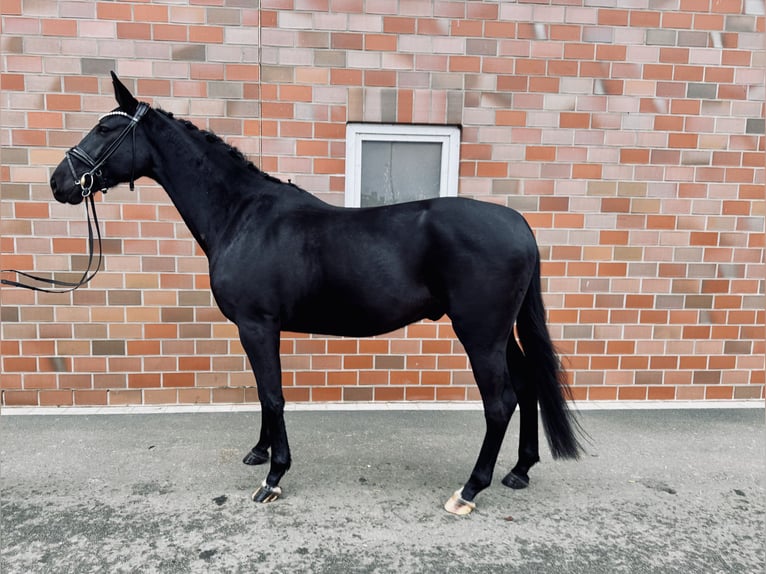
(547,373)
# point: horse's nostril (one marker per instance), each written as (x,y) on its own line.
(53,184)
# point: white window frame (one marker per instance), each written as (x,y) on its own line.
(356,133)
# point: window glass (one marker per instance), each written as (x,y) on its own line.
(395,171)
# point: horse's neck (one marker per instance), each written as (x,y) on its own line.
(202,189)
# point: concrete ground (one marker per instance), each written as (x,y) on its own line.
(660,491)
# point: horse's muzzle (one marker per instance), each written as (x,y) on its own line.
(72,195)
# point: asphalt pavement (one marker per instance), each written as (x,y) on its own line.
(659,491)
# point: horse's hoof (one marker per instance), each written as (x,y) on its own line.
(255,457)
(516,481)
(267,493)
(457,505)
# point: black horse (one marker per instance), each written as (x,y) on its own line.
(281,259)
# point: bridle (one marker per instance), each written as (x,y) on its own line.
(88,179)
(86,182)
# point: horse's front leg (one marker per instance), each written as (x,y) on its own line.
(260,340)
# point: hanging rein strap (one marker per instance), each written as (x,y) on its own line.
(86,183)
(90,208)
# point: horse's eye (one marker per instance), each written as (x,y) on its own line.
(102,129)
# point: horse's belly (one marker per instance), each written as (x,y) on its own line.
(351,319)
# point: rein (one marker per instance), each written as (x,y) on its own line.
(86,182)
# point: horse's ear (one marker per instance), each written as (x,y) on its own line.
(124,98)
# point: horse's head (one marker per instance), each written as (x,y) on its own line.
(110,154)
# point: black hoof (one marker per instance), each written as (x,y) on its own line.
(516,481)
(255,457)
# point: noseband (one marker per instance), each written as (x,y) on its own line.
(86,182)
(88,179)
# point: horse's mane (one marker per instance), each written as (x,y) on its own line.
(234,153)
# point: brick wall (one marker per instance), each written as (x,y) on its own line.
(632,139)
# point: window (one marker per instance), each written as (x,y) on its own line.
(392,163)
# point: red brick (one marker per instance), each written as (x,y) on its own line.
(628,155)
(679,140)
(611,17)
(345,77)
(12,82)
(170,32)
(510,118)
(398,25)
(206,34)
(134,31)
(574,120)
(149,13)
(380,42)
(53,27)
(380,78)
(540,153)
(586,171)
(610,52)
(113,11)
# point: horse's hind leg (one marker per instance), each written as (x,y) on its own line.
(491,371)
(529,451)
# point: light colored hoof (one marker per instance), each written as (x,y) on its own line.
(456,504)
(267,493)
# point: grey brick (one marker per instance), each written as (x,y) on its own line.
(694,157)
(97,66)
(194,298)
(701,91)
(108,347)
(125,297)
(455,108)
(277,74)
(388,106)
(598,34)
(242,3)
(189,53)
(522,202)
(479,47)
(446,81)
(14,155)
(693,39)
(307,39)
(242,109)
(755,126)
(225,90)
(330,59)
(9,314)
(661,37)
(669,302)
(13,45)
(15,191)
(506,187)
(738,23)
(224,16)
